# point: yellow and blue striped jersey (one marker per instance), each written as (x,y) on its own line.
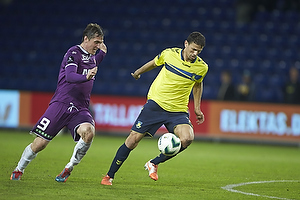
(173,85)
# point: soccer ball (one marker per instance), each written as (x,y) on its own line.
(169,144)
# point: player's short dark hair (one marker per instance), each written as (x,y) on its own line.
(92,30)
(197,38)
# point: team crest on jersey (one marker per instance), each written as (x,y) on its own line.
(139,124)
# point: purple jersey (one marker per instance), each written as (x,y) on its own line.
(69,105)
(76,89)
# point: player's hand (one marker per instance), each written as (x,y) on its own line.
(91,73)
(135,76)
(103,47)
(199,116)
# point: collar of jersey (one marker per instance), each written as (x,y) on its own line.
(82,49)
(183,58)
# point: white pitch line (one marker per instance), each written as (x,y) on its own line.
(230,188)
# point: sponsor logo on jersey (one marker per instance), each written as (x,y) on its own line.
(85,58)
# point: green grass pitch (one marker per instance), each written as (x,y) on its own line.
(199,172)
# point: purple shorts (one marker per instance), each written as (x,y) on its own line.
(59,115)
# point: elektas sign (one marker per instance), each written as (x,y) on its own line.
(259,122)
(116,115)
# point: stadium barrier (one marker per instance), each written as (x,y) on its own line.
(234,121)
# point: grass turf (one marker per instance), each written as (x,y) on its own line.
(197,173)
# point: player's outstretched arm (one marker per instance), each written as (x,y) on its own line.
(145,68)
(197,94)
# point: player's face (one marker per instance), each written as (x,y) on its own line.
(93,44)
(191,51)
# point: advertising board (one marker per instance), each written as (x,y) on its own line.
(116,114)
(9,108)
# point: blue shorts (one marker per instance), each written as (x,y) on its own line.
(152,117)
(59,115)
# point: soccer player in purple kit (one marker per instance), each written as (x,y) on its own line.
(69,105)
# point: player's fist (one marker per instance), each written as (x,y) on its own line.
(91,73)
(135,76)
(103,47)
(199,117)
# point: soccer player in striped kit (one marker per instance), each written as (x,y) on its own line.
(69,106)
(182,71)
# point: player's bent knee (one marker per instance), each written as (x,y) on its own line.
(133,139)
(38,144)
(87,132)
(89,137)
(185,142)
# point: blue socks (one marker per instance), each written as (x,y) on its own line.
(163,158)
(120,157)
(123,153)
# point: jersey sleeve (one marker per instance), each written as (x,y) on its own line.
(205,70)
(99,57)
(73,77)
(160,58)
(72,59)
